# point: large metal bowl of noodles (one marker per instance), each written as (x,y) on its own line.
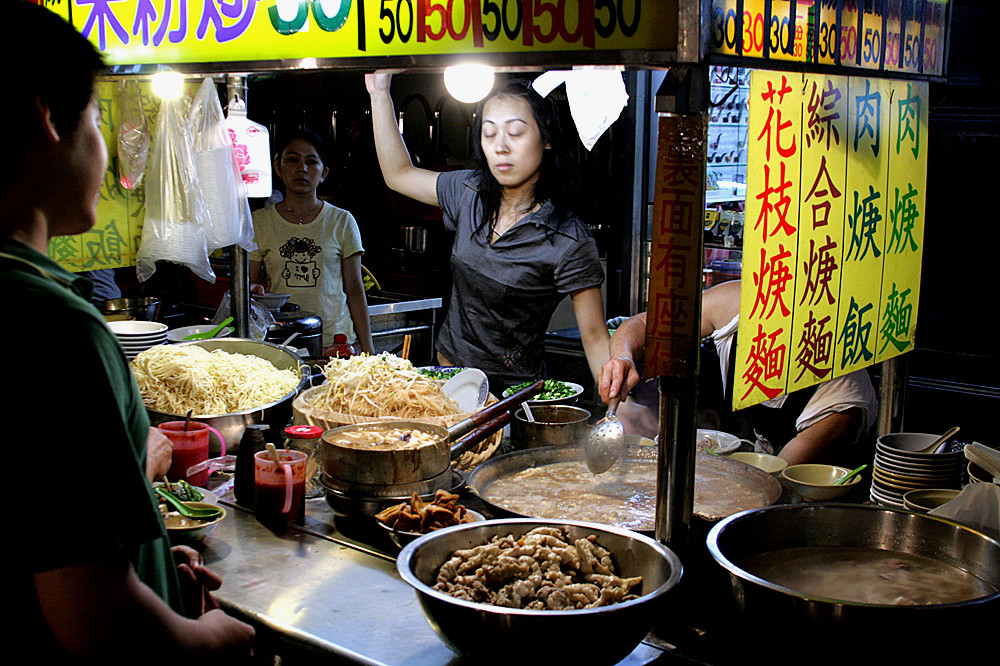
(275,414)
(492,634)
(896,582)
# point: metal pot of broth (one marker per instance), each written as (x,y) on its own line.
(554,483)
(397,455)
(852,574)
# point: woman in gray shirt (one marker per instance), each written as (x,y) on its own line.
(518,248)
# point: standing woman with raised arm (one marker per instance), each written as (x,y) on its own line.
(519,248)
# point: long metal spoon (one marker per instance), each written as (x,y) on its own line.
(606,442)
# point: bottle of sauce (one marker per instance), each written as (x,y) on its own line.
(306,438)
(342,349)
(243,483)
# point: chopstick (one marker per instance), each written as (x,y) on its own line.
(406,346)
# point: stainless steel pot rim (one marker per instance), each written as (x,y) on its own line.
(456,482)
(712,541)
(408,551)
(303,381)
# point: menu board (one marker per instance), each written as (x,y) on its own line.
(834,228)
(218,31)
(899,36)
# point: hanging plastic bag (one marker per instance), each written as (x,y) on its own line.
(133,136)
(252,144)
(218,173)
(261,318)
(176,212)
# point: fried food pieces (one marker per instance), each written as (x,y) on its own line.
(543,570)
(423,517)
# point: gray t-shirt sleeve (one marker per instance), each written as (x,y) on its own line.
(454,197)
(580,267)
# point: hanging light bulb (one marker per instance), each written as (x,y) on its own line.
(168,85)
(468,83)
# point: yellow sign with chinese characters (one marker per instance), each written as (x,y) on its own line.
(114,240)
(213,31)
(834,229)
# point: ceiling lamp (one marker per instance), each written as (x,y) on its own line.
(168,85)
(468,83)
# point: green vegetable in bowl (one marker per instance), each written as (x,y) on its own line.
(552,389)
(447,373)
(183,491)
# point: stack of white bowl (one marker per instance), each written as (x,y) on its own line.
(900,467)
(138,336)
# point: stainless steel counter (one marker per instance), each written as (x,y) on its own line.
(393,316)
(328,594)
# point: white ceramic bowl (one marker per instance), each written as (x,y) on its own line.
(764,461)
(178,334)
(565,400)
(271,301)
(926,499)
(136,328)
(815,483)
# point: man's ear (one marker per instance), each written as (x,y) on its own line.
(45,124)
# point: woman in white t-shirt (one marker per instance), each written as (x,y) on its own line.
(311,249)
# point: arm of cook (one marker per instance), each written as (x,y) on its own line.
(394,159)
(357,302)
(619,375)
(588,306)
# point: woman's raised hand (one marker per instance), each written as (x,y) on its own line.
(379,80)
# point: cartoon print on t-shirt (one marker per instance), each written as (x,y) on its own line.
(300,269)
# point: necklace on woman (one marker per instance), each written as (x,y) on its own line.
(301,219)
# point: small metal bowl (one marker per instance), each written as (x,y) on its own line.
(401,538)
(197,530)
(476,629)
(143,309)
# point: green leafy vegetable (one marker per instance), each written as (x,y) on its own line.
(440,374)
(552,390)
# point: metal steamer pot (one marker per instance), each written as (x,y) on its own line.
(276,414)
(508,464)
(764,606)
(364,480)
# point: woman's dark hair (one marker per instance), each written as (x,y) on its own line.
(56,65)
(558,172)
(309,137)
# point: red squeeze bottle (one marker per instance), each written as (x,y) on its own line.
(344,350)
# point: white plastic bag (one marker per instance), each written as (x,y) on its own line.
(978,505)
(261,318)
(218,173)
(133,136)
(252,144)
(176,212)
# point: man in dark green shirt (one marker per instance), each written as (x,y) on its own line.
(87,584)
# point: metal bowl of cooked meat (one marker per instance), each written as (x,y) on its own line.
(527,582)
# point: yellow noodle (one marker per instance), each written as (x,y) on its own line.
(174,379)
(381,385)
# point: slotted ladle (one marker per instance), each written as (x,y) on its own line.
(606,442)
